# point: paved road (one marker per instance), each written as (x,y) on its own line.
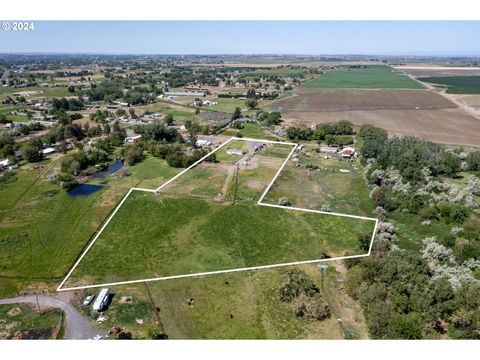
(77,326)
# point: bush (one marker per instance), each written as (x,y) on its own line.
(473,161)
(428,213)
(313,307)
(294,283)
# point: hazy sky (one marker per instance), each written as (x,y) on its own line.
(247,37)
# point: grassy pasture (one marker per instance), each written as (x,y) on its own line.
(255,131)
(43,229)
(227,105)
(242,305)
(251,182)
(341,191)
(456,84)
(196,235)
(370,77)
(49,92)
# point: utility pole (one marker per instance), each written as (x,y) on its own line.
(38,304)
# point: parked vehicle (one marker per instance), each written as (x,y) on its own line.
(88,300)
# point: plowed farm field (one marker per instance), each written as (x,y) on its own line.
(421,113)
(353,99)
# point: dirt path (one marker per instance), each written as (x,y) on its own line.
(77,326)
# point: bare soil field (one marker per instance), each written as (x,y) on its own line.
(448,126)
(316,100)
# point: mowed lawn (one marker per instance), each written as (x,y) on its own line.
(456,84)
(369,77)
(155,236)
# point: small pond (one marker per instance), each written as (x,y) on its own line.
(84,190)
(113,168)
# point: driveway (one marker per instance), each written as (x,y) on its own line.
(77,326)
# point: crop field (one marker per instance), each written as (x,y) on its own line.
(208,220)
(318,100)
(341,191)
(369,77)
(456,84)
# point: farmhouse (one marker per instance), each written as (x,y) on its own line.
(235,152)
(203,143)
(132,139)
(348,152)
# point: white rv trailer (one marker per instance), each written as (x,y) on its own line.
(101,301)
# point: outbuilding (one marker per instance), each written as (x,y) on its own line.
(235,152)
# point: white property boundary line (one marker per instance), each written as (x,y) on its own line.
(227,270)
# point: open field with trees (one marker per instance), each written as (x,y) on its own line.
(456,84)
(201,236)
(363,77)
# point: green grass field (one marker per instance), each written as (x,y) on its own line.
(42,228)
(371,77)
(456,84)
(242,305)
(49,92)
(196,235)
(255,131)
(20,321)
(227,105)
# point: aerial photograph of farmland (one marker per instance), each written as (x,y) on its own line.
(293,186)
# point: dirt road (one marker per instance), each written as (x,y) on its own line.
(77,326)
